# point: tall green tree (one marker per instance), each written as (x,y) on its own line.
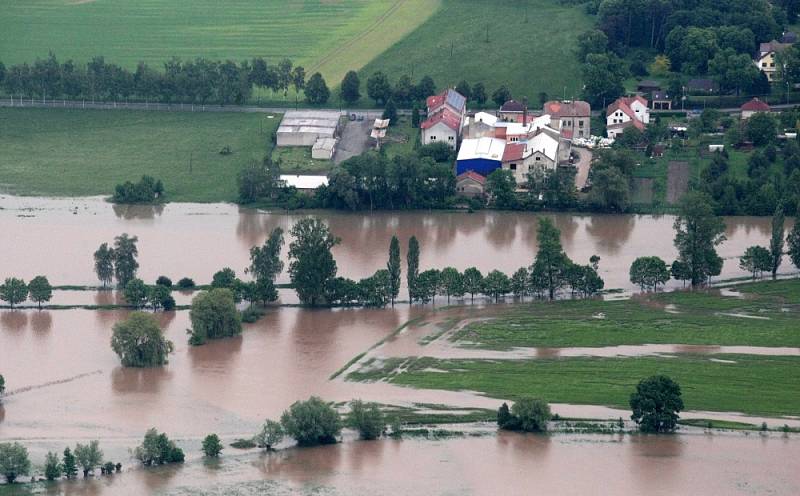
(2,384)
(473,282)
(13,291)
(14,461)
(271,433)
(793,241)
(412,263)
(88,456)
(533,414)
(350,89)
(551,261)
(776,242)
(367,419)
(656,404)
(214,316)
(501,188)
(390,112)
(265,261)
(212,446)
(311,265)
(501,95)
(104,264)
(519,282)
(378,88)
(136,292)
(69,464)
(125,253)
(479,93)
(157,449)
(451,283)
(52,466)
(393,266)
(649,273)
(316,89)
(496,284)
(698,231)
(426,285)
(139,341)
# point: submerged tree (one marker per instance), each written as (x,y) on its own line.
(88,456)
(139,341)
(367,419)
(14,461)
(698,231)
(40,290)
(271,434)
(551,261)
(212,446)
(393,266)
(793,241)
(312,422)
(656,404)
(412,263)
(125,253)
(756,260)
(473,282)
(649,273)
(157,449)
(312,264)
(104,264)
(776,242)
(214,316)
(13,291)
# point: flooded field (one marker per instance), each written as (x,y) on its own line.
(57,237)
(65,385)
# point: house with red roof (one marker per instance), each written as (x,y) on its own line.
(754,106)
(446,113)
(573,118)
(470,184)
(625,112)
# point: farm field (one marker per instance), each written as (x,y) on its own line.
(530,47)
(88,152)
(330,37)
(742,381)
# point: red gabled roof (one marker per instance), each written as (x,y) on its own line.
(633,122)
(577,108)
(470,174)
(446,116)
(624,104)
(513,151)
(434,101)
(756,105)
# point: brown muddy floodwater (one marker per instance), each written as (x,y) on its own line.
(57,237)
(65,385)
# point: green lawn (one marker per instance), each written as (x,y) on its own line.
(297,160)
(530,47)
(752,385)
(87,152)
(703,319)
(324,35)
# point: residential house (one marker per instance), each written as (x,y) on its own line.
(512,110)
(442,127)
(571,118)
(626,112)
(789,37)
(752,107)
(660,100)
(481,125)
(482,155)
(470,184)
(537,154)
(450,99)
(766,58)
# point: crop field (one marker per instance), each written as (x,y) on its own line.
(327,36)
(88,152)
(526,44)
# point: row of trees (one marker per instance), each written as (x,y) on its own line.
(14,291)
(14,462)
(758,259)
(118,262)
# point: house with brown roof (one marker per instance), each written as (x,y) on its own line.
(754,106)
(626,112)
(766,58)
(470,184)
(570,117)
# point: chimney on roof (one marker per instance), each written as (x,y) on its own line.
(524,110)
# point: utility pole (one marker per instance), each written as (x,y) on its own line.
(191,155)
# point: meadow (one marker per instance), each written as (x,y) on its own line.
(526,44)
(88,152)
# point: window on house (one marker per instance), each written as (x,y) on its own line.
(433,138)
(513,167)
(580,123)
(450,138)
(538,158)
(763,64)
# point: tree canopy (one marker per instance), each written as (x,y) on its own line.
(311,263)
(698,231)
(139,341)
(312,422)
(214,316)
(656,404)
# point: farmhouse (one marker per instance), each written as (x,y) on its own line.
(572,118)
(305,127)
(627,112)
(450,99)
(537,154)
(443,126)
(482,155)
(766,58)
(752,107)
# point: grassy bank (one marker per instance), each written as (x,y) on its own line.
(494,43)
(699,318)
(743,383)
(64,152)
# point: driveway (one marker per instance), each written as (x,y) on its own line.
(583,164)
(354,139)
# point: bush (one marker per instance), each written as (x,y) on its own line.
(13,461)
(212,447)
(527,414)
(251,314)
(186,283)
(367,419)
(243,444)
(139,342)
(52,466)
(312,422)
(164,281)
(147,190)
(214,316)
(270,435)
(2,384)
(157,449)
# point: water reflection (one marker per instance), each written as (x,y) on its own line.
(129,212)
(14,320)
(139,380)
(41,323)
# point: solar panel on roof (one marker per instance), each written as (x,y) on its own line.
(455,99)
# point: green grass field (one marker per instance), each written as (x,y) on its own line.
(753,385)
(87,152)
(701,319)
(322,35)
(530,47)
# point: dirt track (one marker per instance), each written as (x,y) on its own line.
(677,181)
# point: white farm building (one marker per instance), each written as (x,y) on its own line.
(305,127)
